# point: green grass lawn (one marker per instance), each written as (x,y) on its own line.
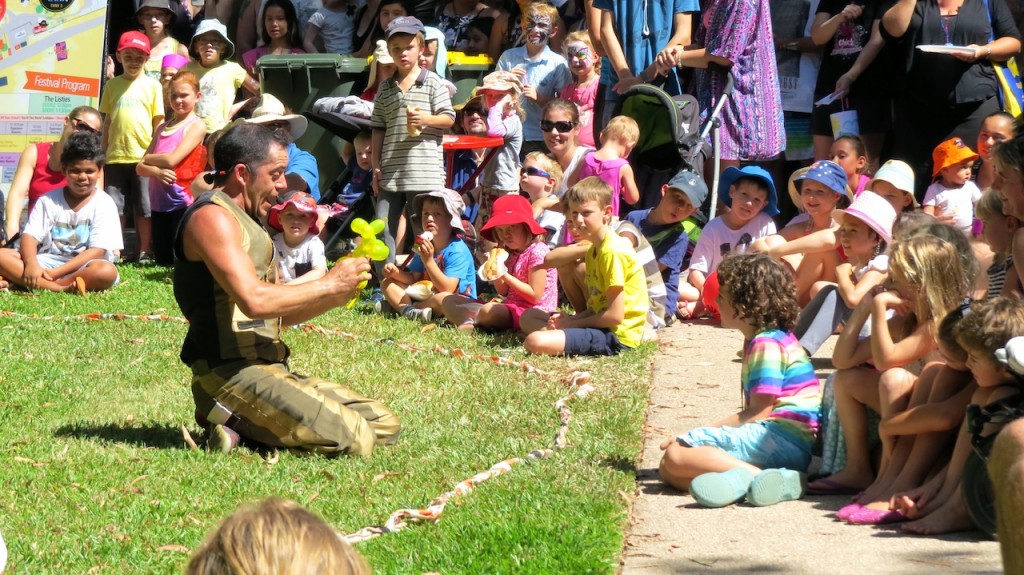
(94,477)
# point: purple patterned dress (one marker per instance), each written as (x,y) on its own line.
(741,31)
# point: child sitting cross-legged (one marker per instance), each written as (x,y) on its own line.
(749,193)
(662,225)
(300,252)
(521,278)
(441,258)
(72,232)
(617,300)
(759,452)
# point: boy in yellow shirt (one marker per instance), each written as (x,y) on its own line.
(616,286)
(132,106)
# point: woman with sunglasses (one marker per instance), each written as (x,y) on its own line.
(560,124)
(39,169)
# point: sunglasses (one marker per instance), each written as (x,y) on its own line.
(531,171)
(549,126)
(81,126)
(278,125)
(471,111)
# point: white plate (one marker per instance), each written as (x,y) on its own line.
(951,50)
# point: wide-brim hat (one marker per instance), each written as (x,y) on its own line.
(271,110)
(500,81)
(300,201)
(899,174)
(873,210)
(950,153)
(731,174)
(509,210)
(829,174)
(380,56)
(161,4)
(211,26)
(452,203)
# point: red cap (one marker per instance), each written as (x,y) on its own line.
(508,210)
(134,39)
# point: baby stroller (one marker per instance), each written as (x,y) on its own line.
(339,226)
(671,138)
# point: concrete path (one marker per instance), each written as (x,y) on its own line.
(695,380)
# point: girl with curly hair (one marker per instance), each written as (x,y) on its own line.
(758,452)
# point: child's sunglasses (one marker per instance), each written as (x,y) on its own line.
(531,171)
(548,126)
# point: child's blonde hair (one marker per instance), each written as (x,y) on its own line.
(761,291)
(990,324)
(547,164)
(939,265)
(622,129)
(908,221)
(592,189)
(989,207)
(275,536)
(542,9)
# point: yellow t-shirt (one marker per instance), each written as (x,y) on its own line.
(217,86)
(613,263)
(131,106)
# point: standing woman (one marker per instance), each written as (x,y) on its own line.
(280,34)
(737,36)
(852,37)
(945,96)
(39,170)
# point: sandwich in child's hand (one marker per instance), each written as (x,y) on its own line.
(494,267)
(420,290)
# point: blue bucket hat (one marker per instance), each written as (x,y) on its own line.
(729,177)
(828,174)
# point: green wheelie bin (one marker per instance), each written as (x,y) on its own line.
(298,80)
(466,73)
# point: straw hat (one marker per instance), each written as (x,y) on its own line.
(272,110)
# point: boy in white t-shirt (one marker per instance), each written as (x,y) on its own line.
(952,196)
(750,195)
(73,233)
(300,252)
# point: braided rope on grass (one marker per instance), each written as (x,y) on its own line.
(578,382)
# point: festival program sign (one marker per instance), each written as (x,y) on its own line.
(51,56)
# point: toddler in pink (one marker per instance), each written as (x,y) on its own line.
(521,279)
(610,164)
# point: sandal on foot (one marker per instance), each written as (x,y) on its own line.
(773,486)
(721,489)
(868,516)
(846,511)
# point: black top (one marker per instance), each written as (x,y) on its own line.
(941,80)
(843,49)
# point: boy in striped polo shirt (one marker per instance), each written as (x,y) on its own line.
(410,115)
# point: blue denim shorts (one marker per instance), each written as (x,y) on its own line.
(760,443)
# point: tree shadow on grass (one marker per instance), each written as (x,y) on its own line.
(155,435)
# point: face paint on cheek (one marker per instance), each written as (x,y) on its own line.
(579,53)
(541,27)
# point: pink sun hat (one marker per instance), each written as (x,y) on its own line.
(873,210)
